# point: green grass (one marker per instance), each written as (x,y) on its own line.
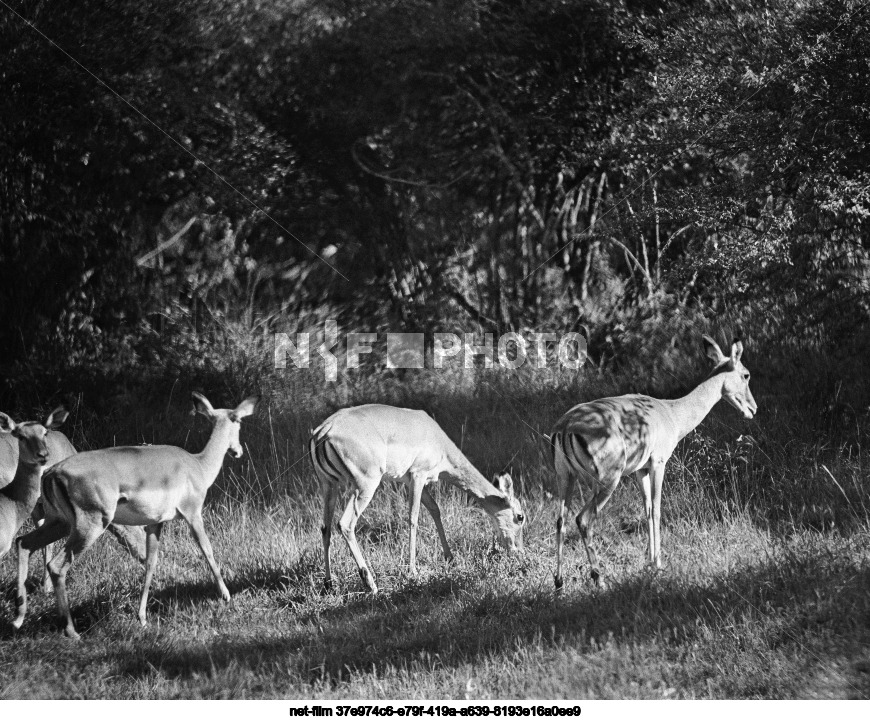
(765,591)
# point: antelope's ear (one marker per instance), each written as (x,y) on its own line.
(7,425)
(56,418)
(247,406)
(736,351)
(713,351)
(201,405)
(504,483)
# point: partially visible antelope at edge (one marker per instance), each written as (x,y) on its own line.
(25,450)
(58,447)
(601,441)
(131,486)
(364,445)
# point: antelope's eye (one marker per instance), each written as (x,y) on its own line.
(519,518)
(746,377)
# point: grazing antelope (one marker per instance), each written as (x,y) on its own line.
(602,441)
(364,445)
(27,457)
(130,486)
(59,447)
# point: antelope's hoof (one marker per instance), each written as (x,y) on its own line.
(559,582)
(368,580)
(72,634)
(598,579)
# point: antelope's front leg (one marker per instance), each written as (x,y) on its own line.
(658,476)
(41,537)
(643,484)
(152,551)
(38,516)
(197,528)
(432,506)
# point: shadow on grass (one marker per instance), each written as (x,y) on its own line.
(164,593)
(460,619)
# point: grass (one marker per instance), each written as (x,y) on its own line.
(765,592)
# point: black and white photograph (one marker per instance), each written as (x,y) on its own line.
(435,357)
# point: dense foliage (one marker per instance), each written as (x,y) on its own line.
(172,168)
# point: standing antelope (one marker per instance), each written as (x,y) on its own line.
(34,447)
(604,440)
(131,486)
(59,447)
(364,445)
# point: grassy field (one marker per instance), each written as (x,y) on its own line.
(765,591)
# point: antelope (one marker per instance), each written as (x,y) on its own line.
(59,447)
(604,440)
(130,486)
(362,446)
(34,447)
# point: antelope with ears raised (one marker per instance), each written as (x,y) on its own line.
(35,447)
(131,486)
(601,441)
(59,447)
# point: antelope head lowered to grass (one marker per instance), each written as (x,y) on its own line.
(362,446)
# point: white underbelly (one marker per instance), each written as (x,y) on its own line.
(145,509)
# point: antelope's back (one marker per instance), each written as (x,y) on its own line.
(123,470)
(382,439)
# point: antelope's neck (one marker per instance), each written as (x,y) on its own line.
(211,457)
(693,408)
(464,475)
(25,488)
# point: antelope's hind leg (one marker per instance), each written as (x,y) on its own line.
(329,494)
(80,540)
(586,521)
(359,501)
(564,503)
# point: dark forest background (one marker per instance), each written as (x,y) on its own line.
(223,170)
